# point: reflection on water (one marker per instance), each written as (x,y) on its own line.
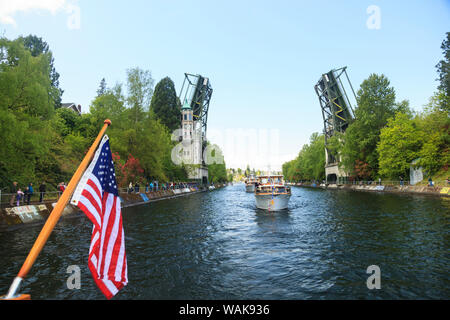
(217,245)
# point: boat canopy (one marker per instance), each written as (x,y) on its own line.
(272,176)
(276,179)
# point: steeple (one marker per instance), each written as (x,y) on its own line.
(187,121)
(187,129)
(186,106)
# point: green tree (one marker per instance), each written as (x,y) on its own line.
(155,137)
(312,158)
(102,88)
(217,171)
(165,104)
(140,91)
(443,68)
(310,162)
(110,104)
(25,85)
(434,123)
(39,143)
(69,120)
(290,172)
(25,111)
(376,104)
(37,46)
(400,144)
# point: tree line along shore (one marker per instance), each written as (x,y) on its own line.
(42,141)
(386,136)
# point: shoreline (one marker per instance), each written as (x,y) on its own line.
(413,190)
(35,214)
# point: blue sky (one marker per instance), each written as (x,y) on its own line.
(263,58)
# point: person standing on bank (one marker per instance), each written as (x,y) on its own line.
(25,195)
(29,193)
(19,196)
(13,191)
(61,188)
(42,191)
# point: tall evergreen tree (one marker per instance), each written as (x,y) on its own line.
(165,104)
(443,68)
(102,88)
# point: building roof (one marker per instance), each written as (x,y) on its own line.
(72,106)
(186,106)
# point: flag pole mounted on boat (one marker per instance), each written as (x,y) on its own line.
(53,219)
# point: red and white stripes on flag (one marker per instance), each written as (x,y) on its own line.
(97,196)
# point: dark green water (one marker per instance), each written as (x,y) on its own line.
(217,245)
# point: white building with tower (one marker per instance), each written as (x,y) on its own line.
(191,136)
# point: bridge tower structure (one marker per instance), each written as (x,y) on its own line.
(338,113)
(195,97)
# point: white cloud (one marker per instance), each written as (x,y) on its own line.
(8,8)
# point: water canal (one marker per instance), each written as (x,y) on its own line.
(217,245)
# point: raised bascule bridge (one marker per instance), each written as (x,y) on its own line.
(195,96)
(338,113)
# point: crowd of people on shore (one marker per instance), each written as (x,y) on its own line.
(154,186)
(19,195)
(22,195)
(401,182)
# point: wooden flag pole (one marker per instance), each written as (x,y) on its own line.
(53,219)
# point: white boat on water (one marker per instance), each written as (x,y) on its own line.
(271,193)
(250,184)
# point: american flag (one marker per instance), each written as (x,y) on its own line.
(98,197)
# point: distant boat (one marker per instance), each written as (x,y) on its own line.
(272,193)
(250,184)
